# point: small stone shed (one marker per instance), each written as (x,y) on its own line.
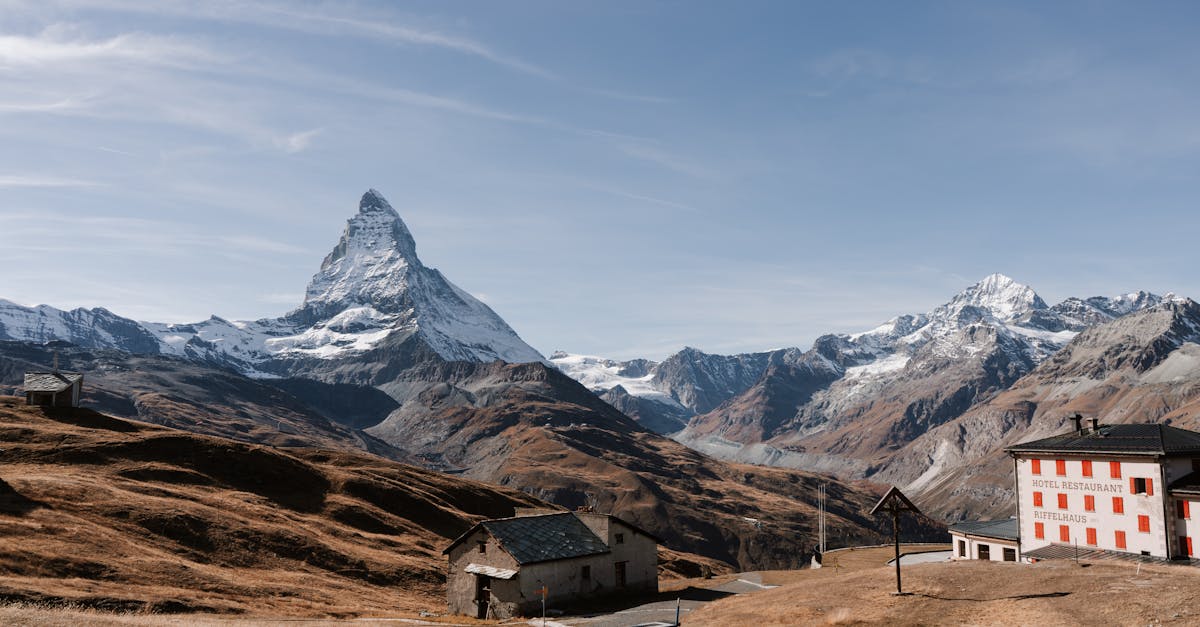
(498,567)
(53,389)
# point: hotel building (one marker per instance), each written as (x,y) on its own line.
(1126,489)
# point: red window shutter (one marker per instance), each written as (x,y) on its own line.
(1133,486)
(1118,505)
(1060,467)
(1187,509)
(1189,546)
(1089,502)
(1149,487)
(1039,531)
(1036,466)
(1120,538)
(1037,499)
(1062,501)
(1143,523)
(1087,467)
(1114,470)
(1064,533)
(1181,509)
(1091,536)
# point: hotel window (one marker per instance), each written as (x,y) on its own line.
(1037,499)
(1114,470)
(1120,538)
(1039,530)
(1118,505)
(1064,533)
(1036,466)
(1141,486)
(1087,467)
(1089,503)
(1060,467)
(1062,501)
(1091,536)
(1182,509)
(1143,523)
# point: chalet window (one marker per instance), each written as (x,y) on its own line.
(1010,554)
(962,548)
(1060,467)
(1120,538)
(1182,509)
(984,552)
(1114,470)
(1141,486)
(1037,499)
(1064,533)
(1035,465)
(1118,505)
(1062,501)
(619,573)
(1089,503)
(1087,467)
(483,546)
(585,573)
(1039,530)
(1143,523)
(620,538)
(1091,536)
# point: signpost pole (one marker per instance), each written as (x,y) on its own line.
(896,540)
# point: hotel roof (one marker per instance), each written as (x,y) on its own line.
(1135,439)
(999,529)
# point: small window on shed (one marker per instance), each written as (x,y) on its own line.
(585,573)
(620,538)
(483,546)
(1010,554)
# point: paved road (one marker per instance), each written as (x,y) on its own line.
(663,612)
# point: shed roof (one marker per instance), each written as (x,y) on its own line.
(50,381)
(532,539)
(1135,439)
(999,529)
(1187,484)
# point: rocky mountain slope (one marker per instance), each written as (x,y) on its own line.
(1142,367)
(529,426)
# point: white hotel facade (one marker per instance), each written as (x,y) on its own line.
(1126,489)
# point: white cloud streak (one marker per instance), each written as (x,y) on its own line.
(27,180)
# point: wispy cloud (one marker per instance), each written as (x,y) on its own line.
(26,180)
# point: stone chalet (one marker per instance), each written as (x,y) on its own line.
(499,568)
(53,389)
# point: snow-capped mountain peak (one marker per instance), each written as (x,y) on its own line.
(998,295)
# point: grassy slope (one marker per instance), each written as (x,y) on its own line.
(126,516)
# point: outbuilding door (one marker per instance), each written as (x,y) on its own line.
(483,593)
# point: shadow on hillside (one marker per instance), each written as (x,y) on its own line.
(14,503)
(613,604)
(89,419)
(1016,597)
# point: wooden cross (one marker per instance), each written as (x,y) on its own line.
(895,503)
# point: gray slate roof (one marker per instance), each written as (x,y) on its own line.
(50,381)
(1000,529)
(1136,439)
(531,539)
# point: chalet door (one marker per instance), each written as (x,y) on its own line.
(483,593)
(619,571)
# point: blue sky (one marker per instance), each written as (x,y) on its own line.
(614,178)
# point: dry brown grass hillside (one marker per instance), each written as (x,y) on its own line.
(99,512)
(969,593)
